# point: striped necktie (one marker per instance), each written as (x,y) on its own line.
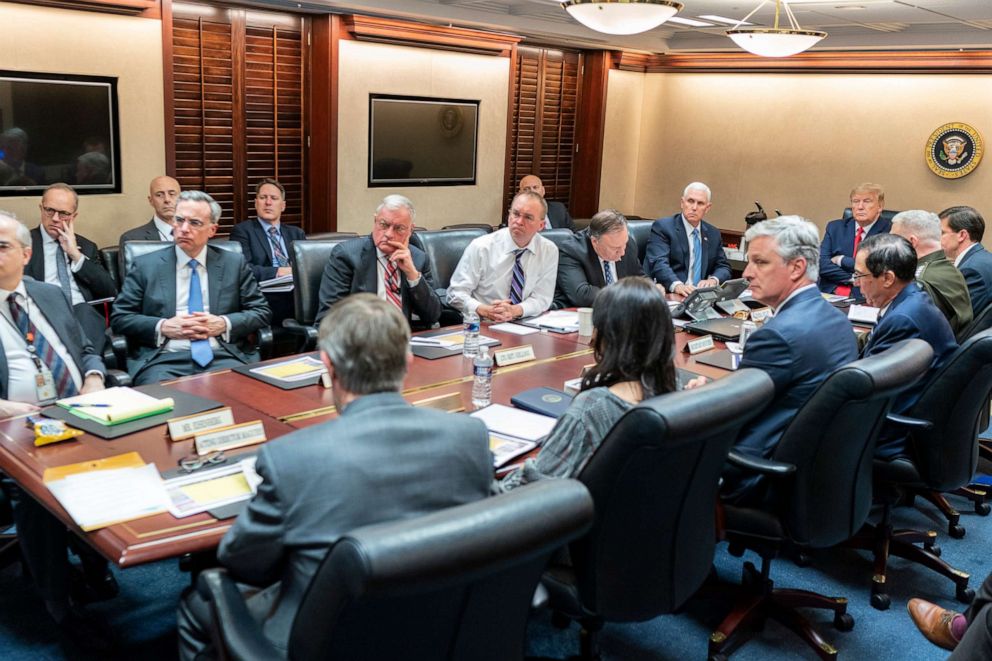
(392,285)
(518,279)
(64,386)
(278,256)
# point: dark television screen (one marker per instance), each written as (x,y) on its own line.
(417,141)
(58,128)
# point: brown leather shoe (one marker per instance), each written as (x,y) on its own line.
(933,622)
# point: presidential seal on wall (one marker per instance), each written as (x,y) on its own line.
(954,150)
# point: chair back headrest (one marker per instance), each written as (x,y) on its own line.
(954,399)
(110,255)
(654,481)
(444,250)
(486,227)
(455,584)
(558,235)
(641,231)
(887,214)
(981,322)
(135,249)
(309,259)
(831,441)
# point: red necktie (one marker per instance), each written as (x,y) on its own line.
(845,290)
(392,285)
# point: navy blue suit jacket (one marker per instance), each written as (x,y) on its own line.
(667,256)
(838,239)
(911,314)
(258,249)
(976,267)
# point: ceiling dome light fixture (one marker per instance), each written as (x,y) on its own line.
(775,41)
(622,16)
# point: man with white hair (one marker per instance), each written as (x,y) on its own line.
(935,274)
(684,251)
(801,344)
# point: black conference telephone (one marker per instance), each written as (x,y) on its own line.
(700,304)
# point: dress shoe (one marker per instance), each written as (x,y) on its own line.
(933,622)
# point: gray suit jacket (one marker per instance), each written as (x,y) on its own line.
(149,295)
(382,460)
(146,232)
(49,299)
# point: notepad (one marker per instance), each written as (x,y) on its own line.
(99,498)
(863,314)
(208,489)
(296,369)
(114,406)
(513,422)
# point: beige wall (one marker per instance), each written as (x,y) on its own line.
(794,142)
(622,141)
(366,68)
(78,42)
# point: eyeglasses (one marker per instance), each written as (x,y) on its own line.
(50,212)
(192,222)
(514,213)
(398,230)
(857,276)
(195,463)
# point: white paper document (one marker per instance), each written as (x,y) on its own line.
(204,490)
(510,421)
(278,284)
(515,329)
(566,321)
(863,314)
(97,499)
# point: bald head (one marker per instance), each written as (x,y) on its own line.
(163,193)
(531,183)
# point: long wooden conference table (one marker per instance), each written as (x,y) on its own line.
(559,357)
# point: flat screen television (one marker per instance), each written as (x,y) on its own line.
(58,128)
(421,141)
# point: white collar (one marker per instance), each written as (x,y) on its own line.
(957,260)
(182,259)
(793,295)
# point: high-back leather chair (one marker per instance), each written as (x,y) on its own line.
(324,236)
(558,235)
(981,322)
(444,249)
(641,231)
(817,489)
(135,249)
(111,256)
(455,584)
(887,214)
(309,260)
(654,481)
(470,226)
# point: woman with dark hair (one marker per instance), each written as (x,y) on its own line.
(633,341)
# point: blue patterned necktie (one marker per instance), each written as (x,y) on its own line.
(199,349)
(517,282)
(64,385)
(63,272)
(278,256)
(697,266)
(607,272)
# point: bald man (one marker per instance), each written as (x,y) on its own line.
(557,213)
(163,193)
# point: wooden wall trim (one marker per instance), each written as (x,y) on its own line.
(322,181)
(143,8)
(169,93)
(385,30)
(588,159)
(810,62)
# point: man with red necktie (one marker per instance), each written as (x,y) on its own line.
(843,236)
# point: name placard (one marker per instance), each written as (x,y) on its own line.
(514,355)
(452,403)
(572,386)
(325,380)
(705,343)
(227,438)
(189,426)
(760,315)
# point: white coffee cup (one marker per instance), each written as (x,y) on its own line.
(585,322)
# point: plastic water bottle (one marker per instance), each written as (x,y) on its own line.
(482,385)
(471,347)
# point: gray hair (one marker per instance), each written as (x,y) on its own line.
(68,189)
(200,196)
(606,221)
(698,185)
(396,202)
(531,195)
(795,236)
(924,224)
(21,231)
(367,340)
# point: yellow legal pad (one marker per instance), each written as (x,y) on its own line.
(222,488)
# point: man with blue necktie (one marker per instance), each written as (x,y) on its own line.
(684,251)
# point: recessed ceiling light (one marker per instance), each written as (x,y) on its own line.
(724,19)
(690,22)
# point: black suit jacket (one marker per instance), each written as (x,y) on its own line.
(558,215)
(258,249)
(667,256)
(352,268)
(146,232)
(580,275)
(93,279)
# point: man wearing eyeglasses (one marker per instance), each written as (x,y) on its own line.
(190,308)
(385,264)
(70,261)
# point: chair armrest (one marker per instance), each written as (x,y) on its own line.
(236,633)
(307,335)
(754,464)
(115,352)
(117,378)
(906,421)
(266,343)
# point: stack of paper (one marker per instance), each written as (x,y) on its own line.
(863,314)
(208,489)
(563,321)
(278,284)
(296,369)
(116,405)
(451,341)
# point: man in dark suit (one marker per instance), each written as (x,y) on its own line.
(684,251)
(381,460)
(163,193)
(267,244)
(384,263)
(800,345)
(40,311)
(190,308)
(842,237)
(70,261)
(594,258)
(885,269)
(961,232)
(557,216)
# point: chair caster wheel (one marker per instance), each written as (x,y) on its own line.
(934,549)
(982,509)
(560,620)
(718,657)
(965,596)
(802,559)
(955,531)
(736,550)
(843,622)
(880,601)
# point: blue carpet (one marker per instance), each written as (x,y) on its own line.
(143,616)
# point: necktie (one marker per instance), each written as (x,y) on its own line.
(64,386)
(517,282)
(199,349)
(278,256)
(607,272)
(63,273)
(845,290)
(392,285)
(697,265)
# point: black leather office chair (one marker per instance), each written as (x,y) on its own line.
(486,227)
(324,236)
(110,256)
(817,491)
(452,585)
(309,259)
(887,214)
(981,322)
(641,231)
(558,235)
(444,250)
(654,481)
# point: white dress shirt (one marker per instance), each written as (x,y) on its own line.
(21,369)
(266,225)
(957,260)
(381,261)
(484,272)
(50,247)
(692,249)
(164,229)
(183,276)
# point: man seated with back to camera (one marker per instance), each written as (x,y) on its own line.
(805,340)
(381,460)
(884,269)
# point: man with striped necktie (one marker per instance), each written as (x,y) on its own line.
(510,273)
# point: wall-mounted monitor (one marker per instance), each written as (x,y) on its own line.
(58,128)
(420,141)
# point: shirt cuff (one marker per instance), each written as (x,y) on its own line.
(78,264)
(675,283)
(93,372)
(414,283)
(159,338)
(226,335)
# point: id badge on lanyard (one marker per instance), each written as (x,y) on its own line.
(44,384)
